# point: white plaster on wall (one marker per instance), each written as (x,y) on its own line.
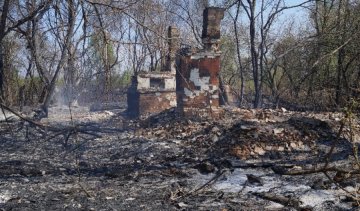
(203,82)
(172,99)
(214,88)
(201,55)
(188,93)
(143,83)
(173,67)
(170,83)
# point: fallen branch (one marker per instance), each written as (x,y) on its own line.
(69,129)
(38,124)
(213,179)
(282,171)
(85,191)
(219,174)
(348,193)
(255,165)
(286,201)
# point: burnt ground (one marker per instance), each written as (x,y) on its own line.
(103,161)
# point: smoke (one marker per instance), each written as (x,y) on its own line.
(65,96)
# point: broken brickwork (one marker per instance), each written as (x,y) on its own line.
(198,72)
(174,44)
(153,92)
(189,81)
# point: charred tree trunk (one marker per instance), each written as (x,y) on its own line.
(1,73)
(70,31)
(339,74)
(254,55)
(5,10)
(241,70)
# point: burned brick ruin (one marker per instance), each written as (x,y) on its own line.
(190,81)
(153,92)
(198,73)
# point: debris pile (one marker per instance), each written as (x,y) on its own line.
(256,159)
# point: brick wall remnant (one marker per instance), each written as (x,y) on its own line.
(212,17)
(190,79)
(174,45)
(198,72)
(153,92)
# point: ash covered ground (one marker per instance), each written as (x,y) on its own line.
(79,159)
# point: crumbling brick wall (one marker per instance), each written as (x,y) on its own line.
(198,72)
(153,92)
(197,76)
(198,82)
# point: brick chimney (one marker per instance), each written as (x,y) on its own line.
(212,17)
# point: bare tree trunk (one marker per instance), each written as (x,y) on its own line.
(5,10)
(67,43)
(254,54)
(1,73)
(4,29)
(241,70)
(69,76)
(339,74)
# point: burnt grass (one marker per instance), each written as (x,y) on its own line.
(151,164)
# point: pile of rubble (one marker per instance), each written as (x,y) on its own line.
(246,133)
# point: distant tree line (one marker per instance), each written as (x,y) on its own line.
(268,56)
